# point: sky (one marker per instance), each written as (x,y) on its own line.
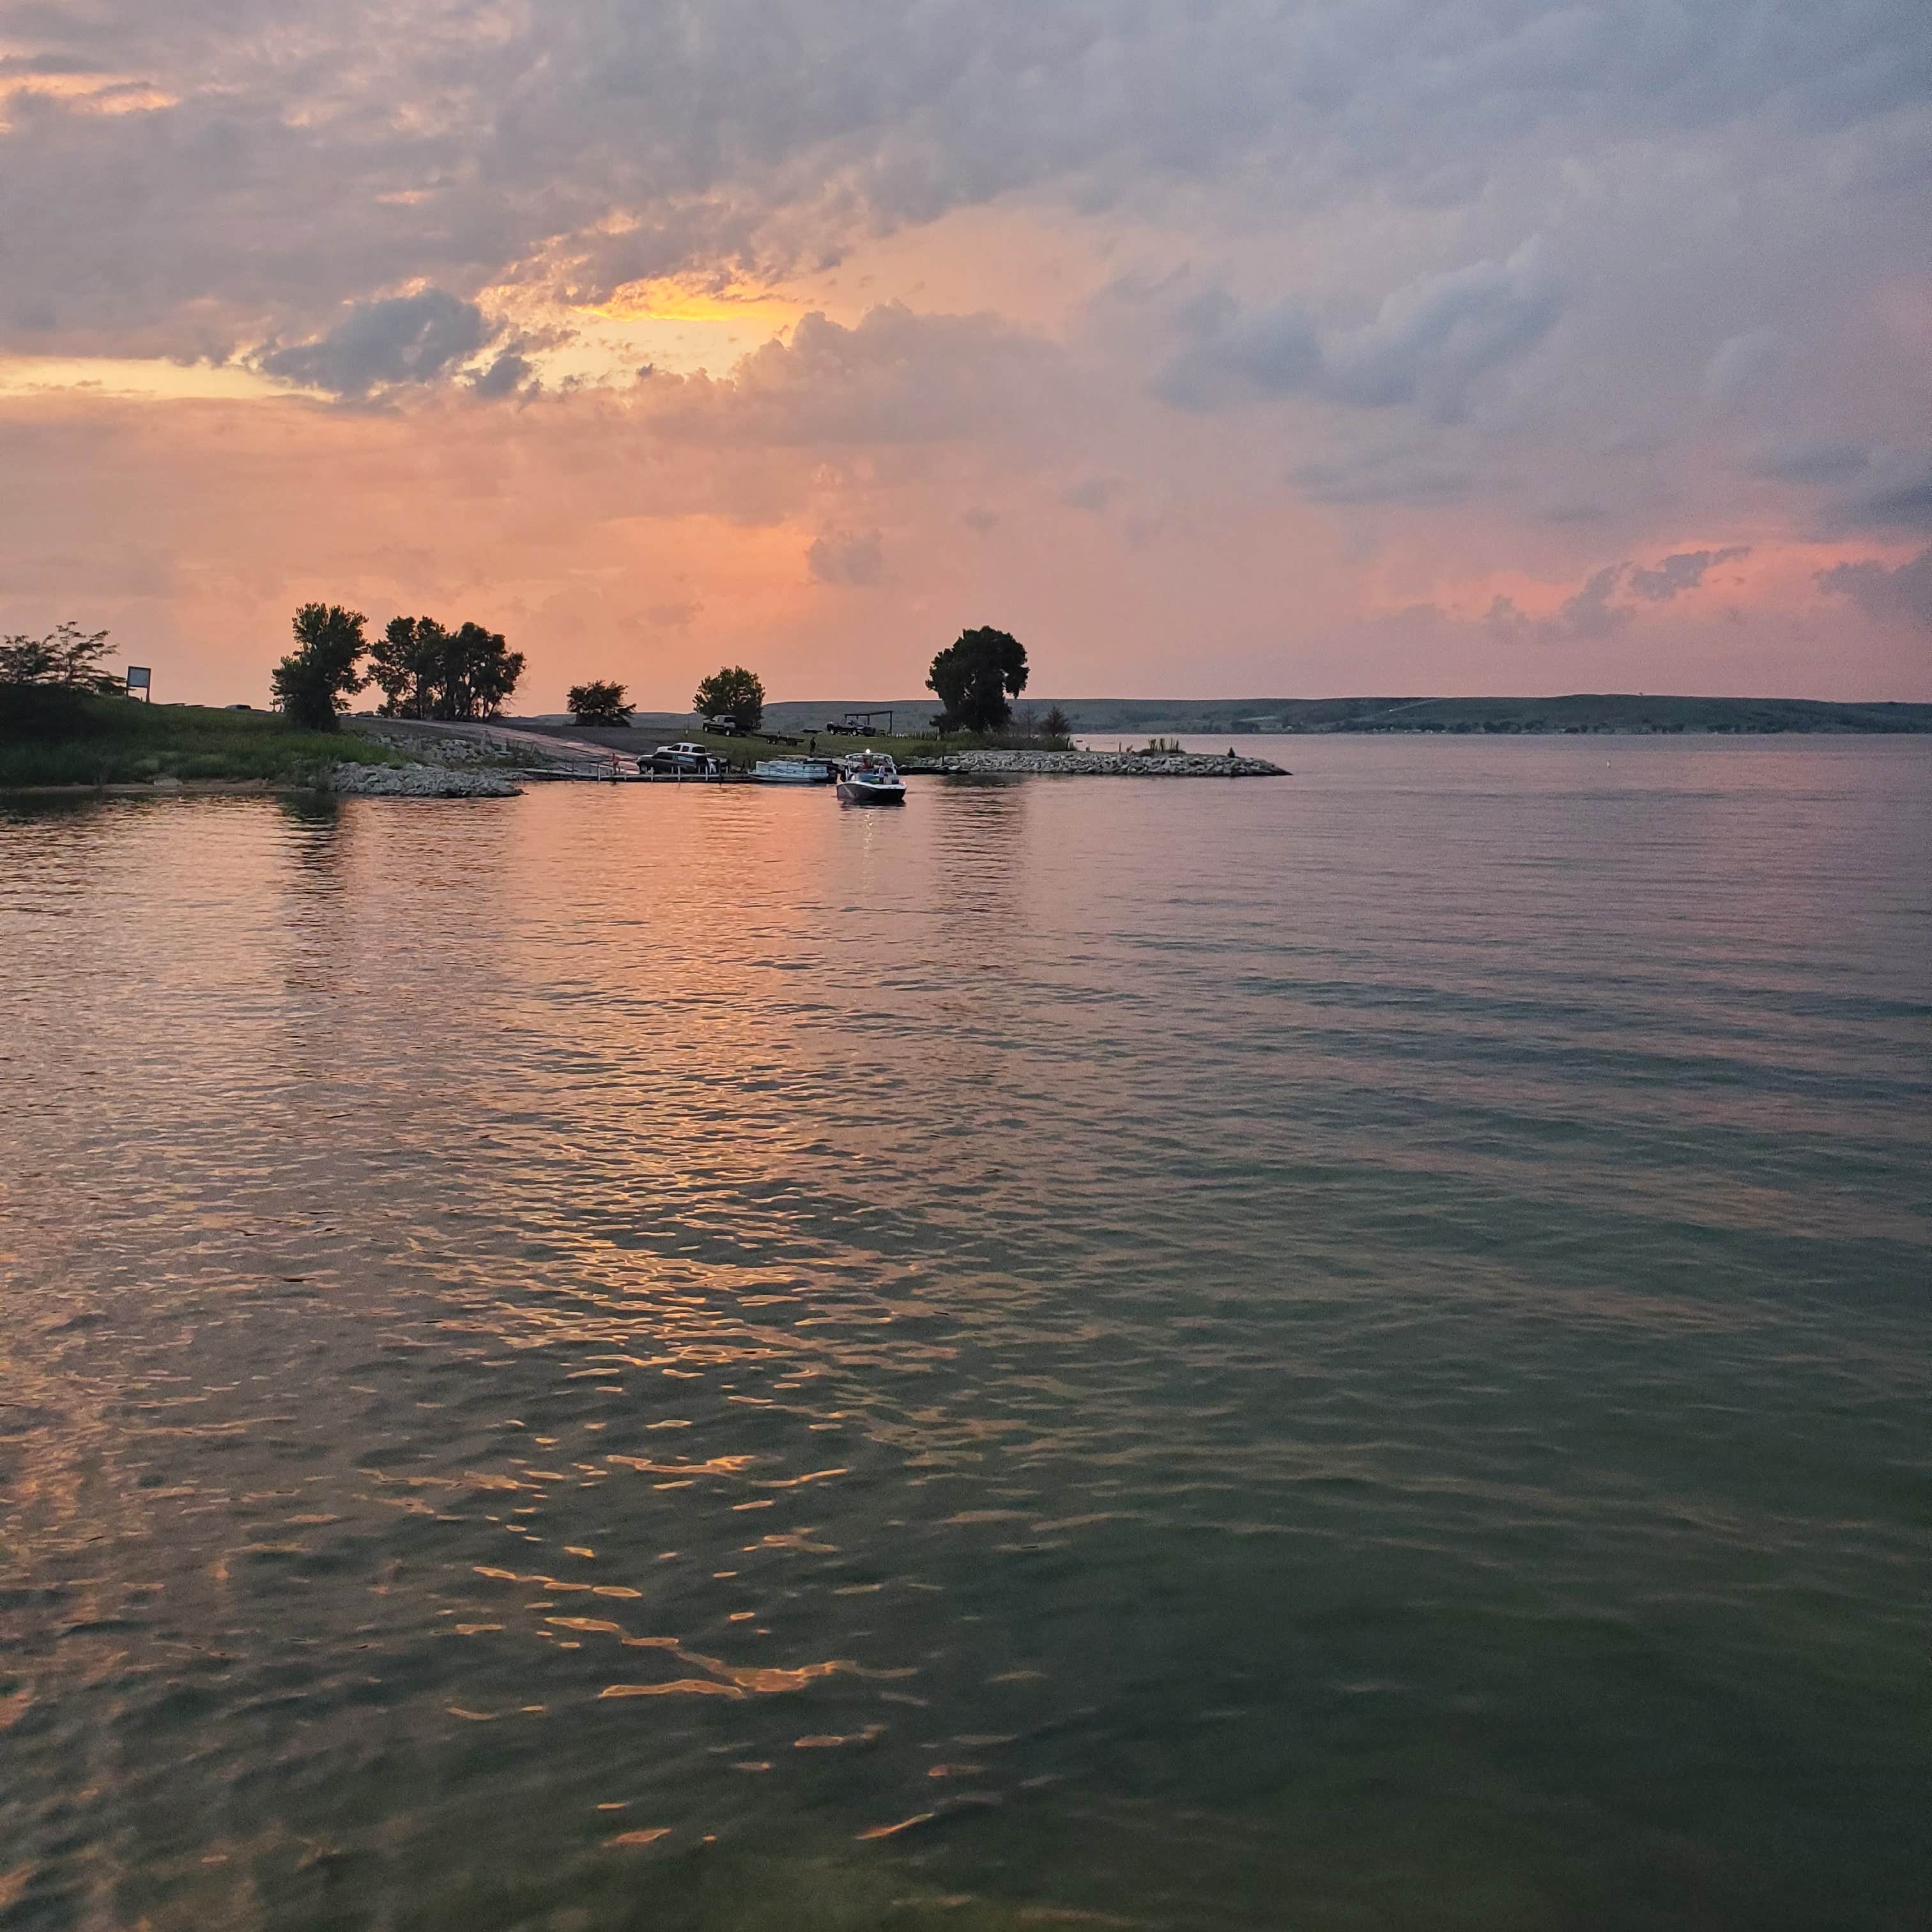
(1213,347)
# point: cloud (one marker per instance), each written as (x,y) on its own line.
(1093,494)
(1816,460)
(1902,591)
(677,613)
(1379,476)
(847,557)
(307,158)
(504,377)
(1481,263)
(1434,337)
(1739,366)
(894,377)
(1903,502)
(405,339)
(1684,570)
(1428,342)
(1592,611)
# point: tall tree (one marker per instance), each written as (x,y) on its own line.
(976,675)
(480,670)
(732,692)
(406,664)
(314,682)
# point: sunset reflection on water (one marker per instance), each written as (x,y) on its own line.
(1136,1348)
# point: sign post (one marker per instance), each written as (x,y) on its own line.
(141,678)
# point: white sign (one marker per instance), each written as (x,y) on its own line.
(139,676)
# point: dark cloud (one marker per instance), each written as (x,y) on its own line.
(1377,476)
(847,557)
(1426,343)
(1093,494)
(1685,571)
(312,157)
(504,377)
(405,339)
(1434,337)
(1884,592)
(1812,461)
(47,63)
(1592,611)
(1903,503)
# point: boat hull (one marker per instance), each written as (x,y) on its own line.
(851,792)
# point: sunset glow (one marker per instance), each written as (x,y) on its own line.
(1354,364)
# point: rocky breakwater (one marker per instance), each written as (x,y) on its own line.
(419,782)
(1097,765)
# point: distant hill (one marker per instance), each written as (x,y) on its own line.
(1218,717)
(1612,712)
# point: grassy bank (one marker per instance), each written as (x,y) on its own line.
(117,741)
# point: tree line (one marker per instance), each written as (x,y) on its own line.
(975,678)
(732,692)
(422,668)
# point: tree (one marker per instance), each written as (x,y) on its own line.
(1056,723)
(314,681)
(974,677)
(425,671)
(44,680)
(599,703)
(67,658)
(480,670)
(406,664)
(734,692)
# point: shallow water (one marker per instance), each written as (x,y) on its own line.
(1347,1352)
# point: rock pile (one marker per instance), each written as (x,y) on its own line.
(449,747)
(1098,765)
(419,782)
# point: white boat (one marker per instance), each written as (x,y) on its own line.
(871,779)
(792,771)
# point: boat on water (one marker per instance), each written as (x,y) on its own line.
(794,771)
(870,778)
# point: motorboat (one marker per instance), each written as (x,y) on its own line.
(870,779)
(794,771)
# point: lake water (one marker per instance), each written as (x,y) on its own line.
(1347,1352)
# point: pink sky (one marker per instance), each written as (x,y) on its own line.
(1231,351)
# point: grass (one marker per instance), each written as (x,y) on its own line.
(117,741)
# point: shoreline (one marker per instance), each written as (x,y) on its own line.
(1094,765)
(341,781)
(162,788)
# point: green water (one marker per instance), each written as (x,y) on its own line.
(1346,1352)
